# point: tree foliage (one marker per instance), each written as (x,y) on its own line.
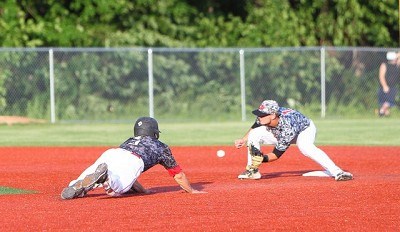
(190,23)
(113,82)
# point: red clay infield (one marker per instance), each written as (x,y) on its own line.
(282,200)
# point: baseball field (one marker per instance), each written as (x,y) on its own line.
(37,162)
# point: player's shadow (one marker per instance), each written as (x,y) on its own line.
(155,190)
(163,189)
(284,174)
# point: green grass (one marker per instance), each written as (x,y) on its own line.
(7,190)
(371,132)
(377,131)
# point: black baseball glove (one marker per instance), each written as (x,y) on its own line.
(255,151)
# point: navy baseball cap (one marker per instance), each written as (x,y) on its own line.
(267,107)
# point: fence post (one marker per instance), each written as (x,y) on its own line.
(51,73)
(323,82)
(242,85)
(151,96)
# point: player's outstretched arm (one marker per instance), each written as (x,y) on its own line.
(182,180)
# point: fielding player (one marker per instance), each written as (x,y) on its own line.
(281,127)
(117,169)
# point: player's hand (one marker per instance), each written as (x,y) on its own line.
(386,89)
(239,143)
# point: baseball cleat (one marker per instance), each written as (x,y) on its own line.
(98,177)
(252,174)
(81,187)
(343,176)
(74,191)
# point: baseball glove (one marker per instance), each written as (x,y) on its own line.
(257,156)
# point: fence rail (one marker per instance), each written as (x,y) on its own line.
(182,84)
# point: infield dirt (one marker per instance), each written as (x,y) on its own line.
(283,200)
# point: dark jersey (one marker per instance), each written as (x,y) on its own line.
(152,151)
(392,74)
(291,124)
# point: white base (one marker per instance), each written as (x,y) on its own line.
(318,174)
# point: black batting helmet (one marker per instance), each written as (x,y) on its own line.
(146,126)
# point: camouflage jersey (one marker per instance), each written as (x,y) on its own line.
(152,151)
(291,124)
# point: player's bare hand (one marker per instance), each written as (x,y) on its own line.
(386,89)
(239,143)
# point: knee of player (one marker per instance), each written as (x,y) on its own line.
(255,137)
(255,141)
(307,150)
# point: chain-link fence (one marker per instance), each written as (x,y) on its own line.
(118,84)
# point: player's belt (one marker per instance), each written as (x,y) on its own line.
(133,153)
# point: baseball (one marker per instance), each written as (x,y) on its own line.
(220,153)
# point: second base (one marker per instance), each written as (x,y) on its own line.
(317,173)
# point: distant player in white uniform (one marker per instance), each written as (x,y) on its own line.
(117,169)
(281,127)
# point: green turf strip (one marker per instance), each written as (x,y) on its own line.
(371,132)
(7,191)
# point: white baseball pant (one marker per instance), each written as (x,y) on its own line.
(123,170)
(304,141)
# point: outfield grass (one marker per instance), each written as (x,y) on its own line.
(378,131)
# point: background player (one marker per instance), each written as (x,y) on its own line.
(389,77)
(117,169)
(281,127)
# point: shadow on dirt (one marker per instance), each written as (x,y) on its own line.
(284,174)
(155,190)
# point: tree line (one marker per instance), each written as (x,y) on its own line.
(193,23)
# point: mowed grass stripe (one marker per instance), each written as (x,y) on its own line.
(376,132)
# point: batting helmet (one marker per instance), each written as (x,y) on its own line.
(146,126)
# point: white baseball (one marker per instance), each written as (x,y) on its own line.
(220,153)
